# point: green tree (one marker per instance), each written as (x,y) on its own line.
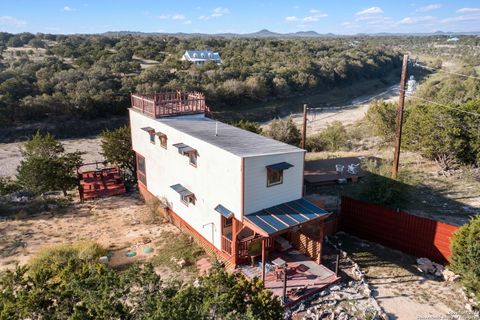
(117,149)
(249,126)
(381,119)
(465,256)
(46,166)
(285,131)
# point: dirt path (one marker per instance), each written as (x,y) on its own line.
(400,289)
(320,118)
(10,156)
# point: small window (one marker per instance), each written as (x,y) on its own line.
(152,137)
(188,199)
(141,170)
(193,158)
(163,141)
(274,177)
(227,222)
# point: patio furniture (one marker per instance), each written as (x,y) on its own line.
(279,273)
(279,262)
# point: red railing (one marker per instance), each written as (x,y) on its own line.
(242,245)
(227,245)
(169,103)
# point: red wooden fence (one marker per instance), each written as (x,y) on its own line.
(420,237)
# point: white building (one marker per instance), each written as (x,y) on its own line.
(227,185)
(199,57)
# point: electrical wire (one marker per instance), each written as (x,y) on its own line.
(441,70)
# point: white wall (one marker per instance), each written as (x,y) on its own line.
(258,196)
(215,180)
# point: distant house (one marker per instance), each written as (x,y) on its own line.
(199,57)
(454,39)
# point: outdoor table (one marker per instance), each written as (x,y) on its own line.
(279,262)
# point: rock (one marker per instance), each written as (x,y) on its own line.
(449,275)
(324,293)
(181,263)
(103,259)
(469,307)
(335,287)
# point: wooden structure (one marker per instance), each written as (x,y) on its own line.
(421,237)
(166,104)
(98,180)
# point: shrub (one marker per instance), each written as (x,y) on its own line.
(333,138)
(8,186)
(249,126)
(465,257)
(285,131)
(46,166)
(381,119)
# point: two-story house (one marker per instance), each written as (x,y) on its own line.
(230,187)
(199,57)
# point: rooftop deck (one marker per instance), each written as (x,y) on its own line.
(166,104)
(304,276)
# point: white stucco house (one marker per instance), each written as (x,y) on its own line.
(199,57)
(228,186)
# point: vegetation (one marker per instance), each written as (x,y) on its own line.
(465,247)
(8,186)
(92,76)
(381,119)
(46,166)
(69,282)
(333,138)
(249,126)
(117,149)
(285,131)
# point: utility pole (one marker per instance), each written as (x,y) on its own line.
(398,129)
(304,126)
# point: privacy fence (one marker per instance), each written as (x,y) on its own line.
(420,237)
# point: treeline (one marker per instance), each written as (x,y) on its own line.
(93,75)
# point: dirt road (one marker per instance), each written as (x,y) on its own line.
(319,118)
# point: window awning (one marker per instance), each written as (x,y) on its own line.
(184,149)
(160,134)
(224,211)
(285,216)
(184,192)
(148,129)
(279,166)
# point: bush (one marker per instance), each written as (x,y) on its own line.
(465,257)
(333,138)
(285,131)
(381,119)
(8,186)
(249,126)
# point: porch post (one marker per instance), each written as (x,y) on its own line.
(320,241)
(263,261)
(234,242)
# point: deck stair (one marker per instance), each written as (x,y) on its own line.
(101,181)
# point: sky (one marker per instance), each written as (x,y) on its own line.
(241,16)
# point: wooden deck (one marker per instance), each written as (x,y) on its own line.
(100,182)
(304,276)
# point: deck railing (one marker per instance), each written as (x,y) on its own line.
(169,103)
(243,244)
(227,245)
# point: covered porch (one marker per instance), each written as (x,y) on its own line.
(282,245)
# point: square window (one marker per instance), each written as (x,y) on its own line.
(188,199)
(141,169)
(274,177)
(227,222)
(193,158)
(163,141)
(152,137)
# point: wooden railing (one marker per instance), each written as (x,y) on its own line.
(227,245)
(169,103)
(242,245)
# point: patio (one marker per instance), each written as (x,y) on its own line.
(304,276)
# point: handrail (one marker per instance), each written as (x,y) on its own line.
(169,103)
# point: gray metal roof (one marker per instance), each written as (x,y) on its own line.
(231,139)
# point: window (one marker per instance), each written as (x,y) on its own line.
(227,222)
(274,177)
(186,196)
(141,170)
(152,137)
(188,199)
(163,139)
(193,158)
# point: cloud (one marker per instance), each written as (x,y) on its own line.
(430,7)
(12,22)
(291,18)
(313,11)
(68,9)
(415,20)
(178,17)
(368,11)
(164,17)
(203,17)
(468,10)
(187,22)
(219,12)
(461,18)
(314,18)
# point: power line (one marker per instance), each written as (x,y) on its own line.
(450,72)
(445,106)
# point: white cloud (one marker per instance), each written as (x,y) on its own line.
(371,10)
(164,17)
(415,20)
(188,22)
(68,9)
(203,17)
(291,18)
(219,12)
(315,17)
(430,7)
(178,17)
(11,22)
(468,10)
(313,11)
(461,18)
